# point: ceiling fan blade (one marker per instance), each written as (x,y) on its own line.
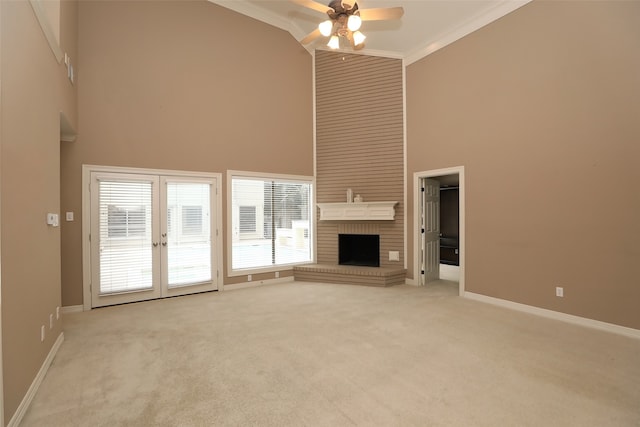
(311,5)
(381,14)
(311,36)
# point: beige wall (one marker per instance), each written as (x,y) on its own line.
(69,44)
(184,85)
(30,187)
(542,108)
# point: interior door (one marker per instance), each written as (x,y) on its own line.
(151,237)
(430,230)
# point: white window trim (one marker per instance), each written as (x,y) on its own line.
(312,220)
(87,170)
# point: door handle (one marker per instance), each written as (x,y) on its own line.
(155,244)
(164,234)
(164,243)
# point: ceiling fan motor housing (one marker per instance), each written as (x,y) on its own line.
(338,9)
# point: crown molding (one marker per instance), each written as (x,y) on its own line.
(263,15)
(484,18)
(253,11)
(480,20)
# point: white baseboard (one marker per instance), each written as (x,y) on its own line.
(72,309)
(26,401)
(411,282)
(256,283)
(569,318)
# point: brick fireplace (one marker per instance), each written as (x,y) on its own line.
(330,270)
(366,156)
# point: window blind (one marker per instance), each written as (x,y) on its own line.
(125,236)
(270,222)
(188,233)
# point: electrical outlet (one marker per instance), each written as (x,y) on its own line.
(394,256)
(249,277)
(559,291)
(42,333)
(51,321)
(277,274)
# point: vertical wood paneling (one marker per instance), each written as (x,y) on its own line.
(359,145)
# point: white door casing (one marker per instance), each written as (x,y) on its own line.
(417,222)
(176,231)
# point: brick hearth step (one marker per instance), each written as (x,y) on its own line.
(350,274)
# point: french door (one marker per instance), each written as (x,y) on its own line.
(151,236)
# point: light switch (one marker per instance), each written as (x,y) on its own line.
(52,219)
(69,216)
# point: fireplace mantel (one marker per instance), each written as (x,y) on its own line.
(357,211)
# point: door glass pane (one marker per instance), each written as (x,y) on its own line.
(188,233)
(125,236)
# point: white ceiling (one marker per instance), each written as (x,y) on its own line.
(427,25)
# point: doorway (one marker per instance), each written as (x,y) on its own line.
(432,260)
(150,235)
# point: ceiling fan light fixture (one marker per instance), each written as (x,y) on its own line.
(334,42)
(354,22)
(358,38)
(326,27)
(345,21)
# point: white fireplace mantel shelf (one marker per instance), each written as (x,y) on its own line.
(357,211)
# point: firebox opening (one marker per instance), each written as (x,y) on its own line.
(359,249)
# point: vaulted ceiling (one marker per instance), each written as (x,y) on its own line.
(427,25)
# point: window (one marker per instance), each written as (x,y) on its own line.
(171,213)
(192,220)
(247,219)
(125,222)
(270,222)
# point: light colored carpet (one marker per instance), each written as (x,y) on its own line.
(305,354)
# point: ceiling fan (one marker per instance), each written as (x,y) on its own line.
(345,20)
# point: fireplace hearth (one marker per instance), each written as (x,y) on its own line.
(359,249)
